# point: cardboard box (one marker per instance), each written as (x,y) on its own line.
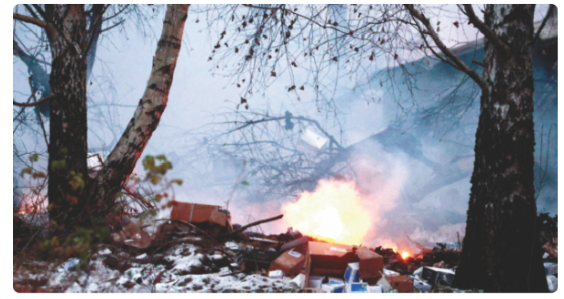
(370,263)
(333,286)
(390,273)
(290,262)
(437,275)
(356,287)
(421,285)
(375,289)
(400,283)
(371,281)
(328,259)
(315,281)
(219,217)
(334,280)
(550,268)
(299,280)
(382,282)
(351,273)
(552,282)
(276,274)
(200,213)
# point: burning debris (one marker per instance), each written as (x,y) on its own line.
(199,250)
(334,213)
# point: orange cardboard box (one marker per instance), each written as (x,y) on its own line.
(400,283)
(199,213)
(370,265)
(290,262)
(328,259)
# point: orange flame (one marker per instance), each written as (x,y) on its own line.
(404,255)
(333,213)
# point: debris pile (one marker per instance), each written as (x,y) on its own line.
(199,250)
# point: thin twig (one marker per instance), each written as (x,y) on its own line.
(32,237)
(462,66)
(30,10)
(39,10)
(37,111)
(479,63)
(42,100)
(138,197)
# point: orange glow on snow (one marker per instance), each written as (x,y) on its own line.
(333,212)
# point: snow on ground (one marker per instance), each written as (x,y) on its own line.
(143,277)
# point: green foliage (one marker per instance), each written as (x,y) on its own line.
(79,244)
(76,180)
(58,165)
(38,174)
(155,172)
(27,170)
(30,170)
(34,157)
(155,179)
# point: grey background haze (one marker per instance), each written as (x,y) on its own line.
(198,99)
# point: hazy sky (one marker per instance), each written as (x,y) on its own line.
(122,67)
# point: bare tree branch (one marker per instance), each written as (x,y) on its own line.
(30,20)
(31,11)
(38,114)
(431,31)
(42,100)
(548,15)
(39,10)
(113,26)
(94,27)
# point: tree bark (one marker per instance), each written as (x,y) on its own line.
(501,249)
(68,132)
(121,161)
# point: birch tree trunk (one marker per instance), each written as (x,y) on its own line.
(121,161)
(501,250)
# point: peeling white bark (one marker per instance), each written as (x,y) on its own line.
(121,161)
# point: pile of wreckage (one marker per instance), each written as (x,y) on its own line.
(308,265)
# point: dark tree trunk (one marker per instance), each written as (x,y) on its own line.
(501,249)
(68,140)
(74,199)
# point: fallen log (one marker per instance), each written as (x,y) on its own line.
(253,224)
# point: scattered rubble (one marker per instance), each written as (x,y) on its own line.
(200,250)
